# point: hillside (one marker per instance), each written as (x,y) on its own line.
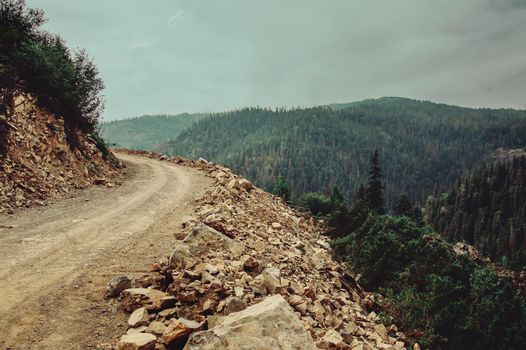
(445,295)
(50,103)
(40,160)
(147,132)
(422,144)
(487,209)
(247,271)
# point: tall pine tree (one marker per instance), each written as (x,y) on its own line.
(374,195)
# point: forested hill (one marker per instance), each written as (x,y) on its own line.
(147,132)
(488,210)
(422,144)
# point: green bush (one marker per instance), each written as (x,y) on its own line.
(67,85)
(455,303)
(281,188)
(345,218)
(316,203)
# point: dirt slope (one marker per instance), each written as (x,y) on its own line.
(41,158)
(55,261)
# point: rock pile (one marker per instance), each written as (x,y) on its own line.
(38,160)
(251,270)
(461,248)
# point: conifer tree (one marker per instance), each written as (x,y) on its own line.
(404,206)
(374,194)
(417,216)
(361,194)
(336,196)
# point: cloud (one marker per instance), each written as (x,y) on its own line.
(143,44)
(298,52)
(179,16)
(507,4)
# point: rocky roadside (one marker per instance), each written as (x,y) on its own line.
(40,161)
(247,271)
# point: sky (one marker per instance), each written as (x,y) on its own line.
(175,56)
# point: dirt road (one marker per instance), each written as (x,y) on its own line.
(55,261)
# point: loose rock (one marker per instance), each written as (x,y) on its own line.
(138,318)
(258,246)
(117,284)
(150,299)
(137,341)
(178,329)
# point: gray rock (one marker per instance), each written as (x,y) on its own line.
(202,239)
(117,284)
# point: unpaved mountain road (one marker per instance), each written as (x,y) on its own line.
(55,261)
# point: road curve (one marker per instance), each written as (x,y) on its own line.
(55,261)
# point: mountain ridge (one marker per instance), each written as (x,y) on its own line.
(422,144)
(415,100)
(486,209)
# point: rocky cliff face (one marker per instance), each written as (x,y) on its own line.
(41,159)
(248,272)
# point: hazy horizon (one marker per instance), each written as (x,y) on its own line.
(203,56)
(162,114)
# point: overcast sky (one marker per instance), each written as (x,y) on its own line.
(168,56)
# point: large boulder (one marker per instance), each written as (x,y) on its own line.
(201,240)
(181,256)
(268,325)
(240,184)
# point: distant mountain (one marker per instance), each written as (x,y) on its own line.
(147,132)
(487,209)
(423,145)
